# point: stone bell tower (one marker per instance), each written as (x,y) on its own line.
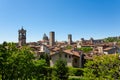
(52,38)
(69,39)
(21,37)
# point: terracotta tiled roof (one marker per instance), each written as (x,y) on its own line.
(76,53)
(71,52)
(56,49)
(68,51)
(109,48)
(87,57)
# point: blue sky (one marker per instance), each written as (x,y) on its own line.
(81,18)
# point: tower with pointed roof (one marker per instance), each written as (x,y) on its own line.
(21,37)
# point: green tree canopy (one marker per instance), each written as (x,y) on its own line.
(15,62)
(20,64)
(69,47)
(105,67)
(85,49)
(61,70)
(46,57)
(112,39)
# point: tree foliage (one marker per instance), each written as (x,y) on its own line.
(75,71)
(85,49)
(112,39)
(69,47)
(39,69)
(14,62)
(105,67)
(46,57)
(20,63)
(61,70)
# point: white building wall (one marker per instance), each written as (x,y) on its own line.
(44,49)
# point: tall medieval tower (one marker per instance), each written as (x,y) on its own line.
(69,39)
(21,37)
(52,38)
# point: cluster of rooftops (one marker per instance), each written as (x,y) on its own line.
(68,50)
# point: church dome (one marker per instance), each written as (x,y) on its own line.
(45,37)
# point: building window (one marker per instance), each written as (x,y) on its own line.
(69,56)
(65,55)
(75,60)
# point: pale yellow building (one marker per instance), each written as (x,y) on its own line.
(71,57)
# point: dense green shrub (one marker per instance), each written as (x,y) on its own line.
(68,47)
(49,73)
(75,71)
(104,67)
(60,71)
(20,64)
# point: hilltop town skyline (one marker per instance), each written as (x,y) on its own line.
(49,36)
(81,18)
(65,39)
